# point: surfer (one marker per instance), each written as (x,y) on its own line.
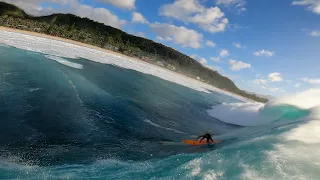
(206,136)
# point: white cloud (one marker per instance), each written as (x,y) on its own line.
(210,43)
(215,68)
(191,11)
(275,77)
(315,33)
(140,34)
(264,53)
(32,7)
(263,83)
(238,45)
(138,18)
(194,56)
(224,53)
(260,81)
(178,34)
(311,81)
(297,85)
(312,5)
(124,4)
(238,65)
(216,59)
(275,90)
(203,60)
(102,15)
(272,89)
(238,4)
(159,38)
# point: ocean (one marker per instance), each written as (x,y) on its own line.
(71,113)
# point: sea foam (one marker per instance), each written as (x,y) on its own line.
(65,62)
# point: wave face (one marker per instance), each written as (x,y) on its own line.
(105,122)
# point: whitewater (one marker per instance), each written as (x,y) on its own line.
(70,112)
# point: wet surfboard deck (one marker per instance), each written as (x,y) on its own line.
(198,143)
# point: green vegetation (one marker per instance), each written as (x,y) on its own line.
(90,32)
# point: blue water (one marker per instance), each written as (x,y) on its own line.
(99,121)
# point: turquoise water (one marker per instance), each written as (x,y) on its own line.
(76,119)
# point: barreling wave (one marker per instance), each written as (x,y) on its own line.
(289,108)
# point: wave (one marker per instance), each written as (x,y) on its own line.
(290,107)
(162,127)
(65,62)
(67,50)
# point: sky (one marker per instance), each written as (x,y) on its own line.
(267,47)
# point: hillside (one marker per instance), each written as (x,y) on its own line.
(90,32)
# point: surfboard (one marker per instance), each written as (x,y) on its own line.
(198,143)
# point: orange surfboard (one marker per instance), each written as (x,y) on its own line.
(198,143)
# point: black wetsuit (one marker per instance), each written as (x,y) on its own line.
(206,136)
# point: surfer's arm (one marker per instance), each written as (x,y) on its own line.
(200,137)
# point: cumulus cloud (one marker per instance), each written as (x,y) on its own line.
(264,53)
(238,4)
(138,18)
(98,14)
(32,7)
(315,33)
(203,61)
(178,34)
(311,81)
(275,77)
(124,4)
(194,56)
(238,45)
(210,19)
(238,65)
(210,43)
(102,15)
(312,5)
(224,53)
(216,59)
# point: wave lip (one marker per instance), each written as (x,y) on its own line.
(243,114)
(65,62)
(301,105)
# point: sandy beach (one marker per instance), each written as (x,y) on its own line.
(124,57)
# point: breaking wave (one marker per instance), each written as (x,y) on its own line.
(292,107)
(65,62)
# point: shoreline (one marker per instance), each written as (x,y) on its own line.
(206,86)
